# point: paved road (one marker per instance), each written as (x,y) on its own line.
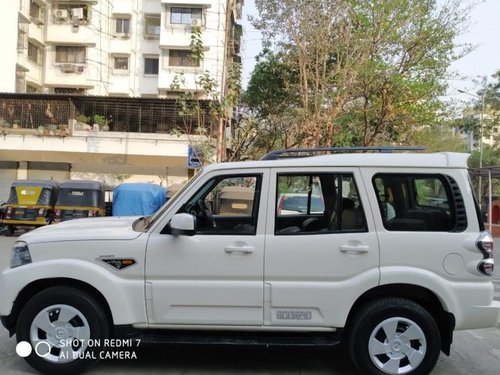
(473,352)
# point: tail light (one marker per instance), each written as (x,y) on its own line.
(485,244)
(8,213)
(57,215)
(92,213)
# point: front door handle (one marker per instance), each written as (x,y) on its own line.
(354,249)
(239,249)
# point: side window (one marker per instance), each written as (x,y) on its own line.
(419,202)
(226,205)
(321,203)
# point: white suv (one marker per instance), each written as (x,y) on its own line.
(392,287)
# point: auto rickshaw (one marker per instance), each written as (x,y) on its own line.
(234,200)
(30,203)
(79,199)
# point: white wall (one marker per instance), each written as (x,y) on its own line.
(8,46)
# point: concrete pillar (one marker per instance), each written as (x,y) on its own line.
(22,170)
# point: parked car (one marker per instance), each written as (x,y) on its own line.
(392,290)
(296,203)
(138,199)
(30,203)
(79,199)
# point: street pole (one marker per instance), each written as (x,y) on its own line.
(481,120)
(481,150)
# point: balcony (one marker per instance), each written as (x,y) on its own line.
(120,45)
(65,33)
(67,75)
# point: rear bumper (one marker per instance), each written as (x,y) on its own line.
(480,316)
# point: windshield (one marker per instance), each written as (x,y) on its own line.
(79,197)
(151,220)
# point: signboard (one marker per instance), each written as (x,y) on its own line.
(193,161)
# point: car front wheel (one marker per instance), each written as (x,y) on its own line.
(394,336)
(64,327)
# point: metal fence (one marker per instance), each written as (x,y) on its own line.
(142,115)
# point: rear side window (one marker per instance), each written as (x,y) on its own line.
(420,203)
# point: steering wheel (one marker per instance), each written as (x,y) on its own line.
(203,214)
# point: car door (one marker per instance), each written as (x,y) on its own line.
(215,276)
(322,254)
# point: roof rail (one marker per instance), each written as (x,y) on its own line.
(305,152)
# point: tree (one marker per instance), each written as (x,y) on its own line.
(192,110)
(271,106)
(368,71)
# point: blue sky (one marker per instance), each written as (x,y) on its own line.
(483,32)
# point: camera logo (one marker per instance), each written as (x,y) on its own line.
(24,349)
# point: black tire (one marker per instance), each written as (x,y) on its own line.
(69,300)
(11,229)
(415,331)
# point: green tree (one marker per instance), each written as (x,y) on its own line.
(368,71)
(272,107)
(192,109)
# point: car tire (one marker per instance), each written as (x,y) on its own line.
(54,321)
(394,336)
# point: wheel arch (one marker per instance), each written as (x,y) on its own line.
(418,294)
(37,286)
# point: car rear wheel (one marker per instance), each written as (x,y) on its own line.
(64,327)
(394,336)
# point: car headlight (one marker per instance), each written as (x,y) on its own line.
(20,254)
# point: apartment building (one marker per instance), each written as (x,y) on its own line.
(131,50)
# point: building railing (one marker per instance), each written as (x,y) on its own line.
(58,115)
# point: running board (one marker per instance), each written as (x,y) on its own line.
(230,338)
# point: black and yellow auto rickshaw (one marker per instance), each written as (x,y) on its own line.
(30,203)
(234,201)
(79,199)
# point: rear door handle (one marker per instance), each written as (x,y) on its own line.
(354,249)
(239,249)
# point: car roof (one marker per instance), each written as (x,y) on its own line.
(410,160)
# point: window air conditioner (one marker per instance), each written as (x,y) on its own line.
(68,68)
(195,22)
(61,14)
(77,12)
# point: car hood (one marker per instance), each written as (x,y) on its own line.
(104,228)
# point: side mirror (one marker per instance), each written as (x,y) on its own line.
(183,225)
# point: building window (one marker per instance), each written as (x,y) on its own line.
(185,16)
(70,54)
(152,26)
(33,53)
(69,90)
(151,65)
(122,26)
(181,58)
(120,63)
(34,9)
